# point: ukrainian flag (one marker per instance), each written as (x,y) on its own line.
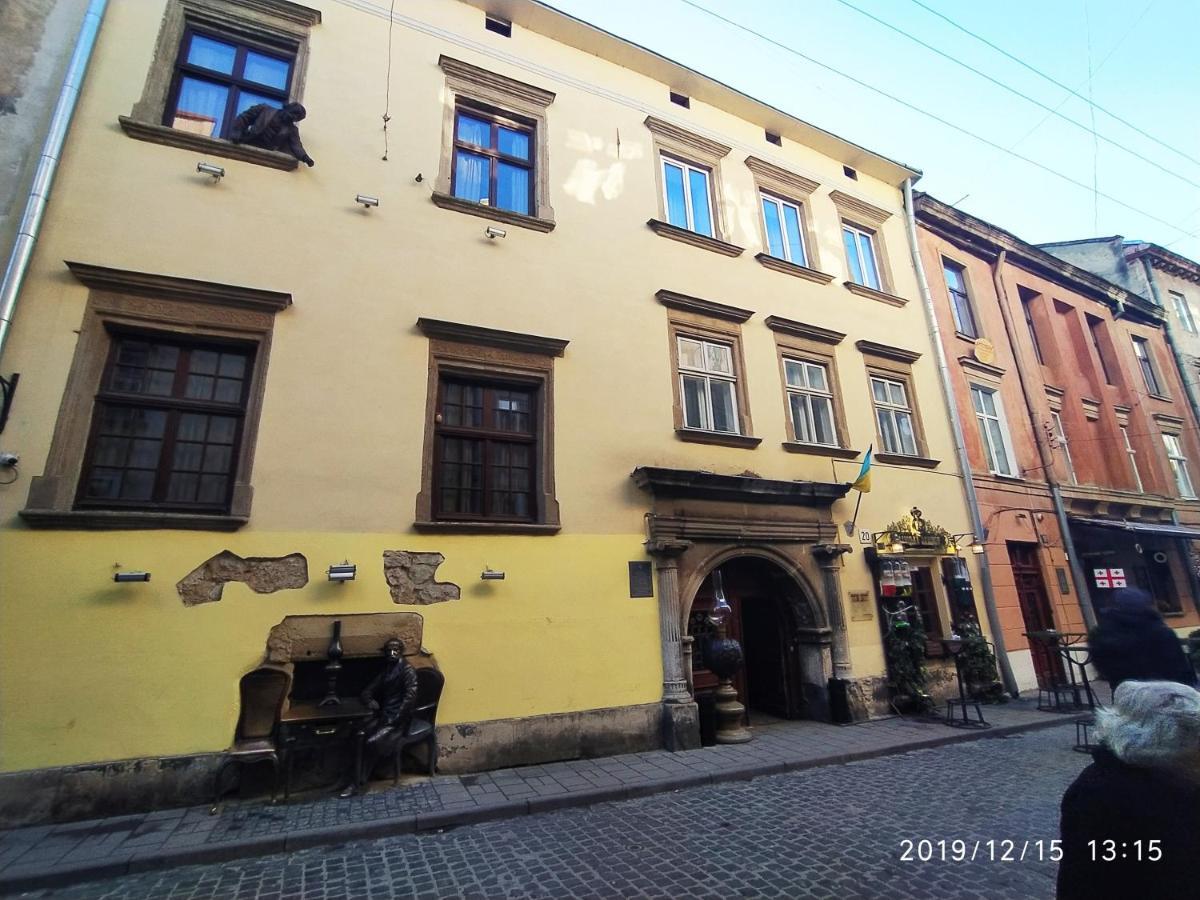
(862,483)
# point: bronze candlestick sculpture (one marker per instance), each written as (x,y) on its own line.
(724,657)
(334,666)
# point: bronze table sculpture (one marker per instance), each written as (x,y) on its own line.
(265,126)
(391,696)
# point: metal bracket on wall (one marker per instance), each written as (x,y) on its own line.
(9,387)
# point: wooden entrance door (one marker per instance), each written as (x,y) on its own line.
(1035,610)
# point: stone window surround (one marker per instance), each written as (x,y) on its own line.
(271,22)
(809,343)
(869,218)
(485,353)
(467,86)
(675,141)
(896,363)
(772,180)
(707,320)
(168,305)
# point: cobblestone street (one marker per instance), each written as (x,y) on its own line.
(835,831)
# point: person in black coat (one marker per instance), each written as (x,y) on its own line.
(1130,823)
(1132,642)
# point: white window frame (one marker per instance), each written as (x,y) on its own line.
(1060,434)
(808,396)
(985,419)
(688,167)
(893,411)
(1132,454)
(1141,350)
(708,376)
(1184,310)
(1179,467)
(859,235)
(766,197)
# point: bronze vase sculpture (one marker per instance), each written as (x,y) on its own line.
(334,666)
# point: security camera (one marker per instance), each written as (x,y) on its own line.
(366,201)
(493,232)
(8,460)
(217,172)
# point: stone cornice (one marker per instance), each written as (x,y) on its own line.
(986,241)
(790,268)
(282,9)
(1166,260)
(170,287)
(882,296)
(897,354)
(710,308)
(970,362)
(707,147)
(773,178)
(482,79)
(1167,420)
(860,210)
(689,483)
(491,337)
(803,330)
(471,208)
(686,236)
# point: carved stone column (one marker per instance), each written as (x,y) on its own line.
(828,557)
(666,555)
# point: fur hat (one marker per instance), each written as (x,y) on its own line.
(1153,723)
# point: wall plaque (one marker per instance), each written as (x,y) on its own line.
(641,579)
(860,606)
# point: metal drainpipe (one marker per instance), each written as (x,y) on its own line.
(960,447)
(1039,438)
(1188,389)
(43,177)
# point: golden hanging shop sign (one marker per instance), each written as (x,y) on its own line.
(913,531)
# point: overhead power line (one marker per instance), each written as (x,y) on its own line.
(1012,90)
(1072,91)
(936,118)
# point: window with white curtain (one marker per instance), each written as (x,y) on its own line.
(810,402)
(894,416)
(493,161)
(707,385)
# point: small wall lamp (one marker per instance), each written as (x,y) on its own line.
(121,577)
(493,232)
(217,172)
(366,200)
(491,575)
(340,572)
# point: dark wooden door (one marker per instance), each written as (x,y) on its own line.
(1035,610)
(765,645)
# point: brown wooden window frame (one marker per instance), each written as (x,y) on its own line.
(470,353)
(175,405)
(496,119)
(491,436)
(962,306)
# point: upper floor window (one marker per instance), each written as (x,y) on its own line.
(960,301)
(810,401)
(1132,454)
(860,256)
(1141,349)
(493,160)
(217,78)
(785,231)
(1060,437)
(686,190)
(1179,467)
(1027,298)
(894,416)
(708,385)
(1099,338)
(993,431)
(485,451)
(1183,309)
(167,425)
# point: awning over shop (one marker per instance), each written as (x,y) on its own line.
(1175,531)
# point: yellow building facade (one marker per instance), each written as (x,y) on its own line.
(658,384)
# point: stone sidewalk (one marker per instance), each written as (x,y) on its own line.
(50,855)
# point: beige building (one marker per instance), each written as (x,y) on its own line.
(580,316)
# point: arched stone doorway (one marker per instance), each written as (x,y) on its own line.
(783,634)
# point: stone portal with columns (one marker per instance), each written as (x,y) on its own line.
(699,521)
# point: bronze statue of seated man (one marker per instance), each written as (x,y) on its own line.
(391,695)
(263,125)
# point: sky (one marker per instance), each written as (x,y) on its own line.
(1135,59)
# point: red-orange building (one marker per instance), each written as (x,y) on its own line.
(1074,419)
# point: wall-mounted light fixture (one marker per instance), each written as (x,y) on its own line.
(491,575)
(345,571)
(217,172)
(366,201)
(493,232)
(122,577)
